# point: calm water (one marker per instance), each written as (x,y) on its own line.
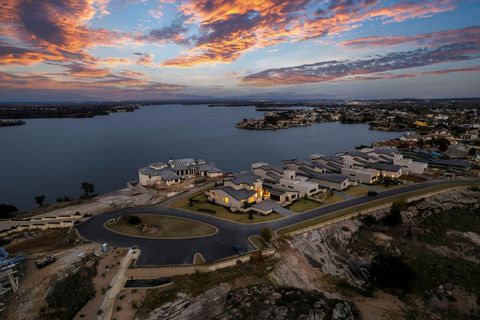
(53,156)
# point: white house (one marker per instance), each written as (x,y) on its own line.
(408,165)
(332,181)
(234,199)
(361,175)
(298,183)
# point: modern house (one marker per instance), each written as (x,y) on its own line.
(281,176)
(174,171)
(332,181)
(234,199)
(361,175)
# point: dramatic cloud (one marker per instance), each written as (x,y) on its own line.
(333,70)
(229,28)
(126,86)
(425,39)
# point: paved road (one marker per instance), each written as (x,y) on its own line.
(220,245)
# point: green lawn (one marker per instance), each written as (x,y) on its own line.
(357,191)
(162,227)
(200,202)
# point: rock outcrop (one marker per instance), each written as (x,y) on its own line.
(327,248)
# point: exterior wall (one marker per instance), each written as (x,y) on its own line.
(222,198)
(146,180)
(333,185)
(304,188)
(358,175)
(392,174)
(418,167)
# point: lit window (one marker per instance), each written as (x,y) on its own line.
(226,200)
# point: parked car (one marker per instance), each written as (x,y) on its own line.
(372,193)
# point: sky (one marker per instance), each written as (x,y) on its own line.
(57,50)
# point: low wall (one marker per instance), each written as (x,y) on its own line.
(178,270)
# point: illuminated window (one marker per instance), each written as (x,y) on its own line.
(226,200)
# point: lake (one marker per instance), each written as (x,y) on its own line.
(53,156)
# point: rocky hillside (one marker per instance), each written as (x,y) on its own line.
(414,261)
(436,240)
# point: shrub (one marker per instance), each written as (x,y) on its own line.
(134,220)
(369,220)
(207,210)
(266,234)
(391,272)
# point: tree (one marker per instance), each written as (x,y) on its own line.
(266,234)
(40,200)
(250,215)
(88,190)
(394,218)
(6,210)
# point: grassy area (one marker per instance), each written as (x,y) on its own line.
(258,242)
(200,203)
(368,205)
(304,205)
(357,191)
(332,199)
(162,227)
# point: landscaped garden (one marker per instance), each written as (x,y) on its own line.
(159,226)
(199,203)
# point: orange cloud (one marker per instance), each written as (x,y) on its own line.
(229,28)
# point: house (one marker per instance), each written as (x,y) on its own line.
(388,170)
(332,181)
(280,194)
(409,165)
(244,180)
(287,178)
(298,184)
(234,199)
(361,175)
(174,171)
(156,174)
(208,169)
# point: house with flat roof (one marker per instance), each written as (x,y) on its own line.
(333,181)
(361,175)
(287,178)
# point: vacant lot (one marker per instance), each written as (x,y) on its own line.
(199,204)
(158,226)
(304,205)
(357,191)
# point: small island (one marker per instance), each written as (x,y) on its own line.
(11,123)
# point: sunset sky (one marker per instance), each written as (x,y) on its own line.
(264,49)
